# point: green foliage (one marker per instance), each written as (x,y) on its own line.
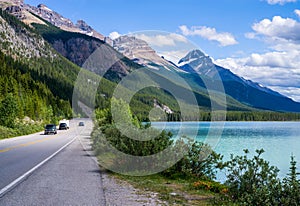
(8,111)
(200,161)
(103,116)
(291,186)
(255,182)
(22,96)
(249,116)
(133,147)
(20,129)
(251,181)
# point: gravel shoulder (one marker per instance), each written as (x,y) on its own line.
(118,192)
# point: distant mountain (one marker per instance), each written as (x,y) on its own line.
(141,53)
(250,93)
(196,62)
(196,66)
(63,23)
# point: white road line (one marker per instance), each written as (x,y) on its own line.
(18,180)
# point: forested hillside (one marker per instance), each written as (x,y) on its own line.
(32,98)
(36,82)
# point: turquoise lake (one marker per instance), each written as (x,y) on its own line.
(280,140)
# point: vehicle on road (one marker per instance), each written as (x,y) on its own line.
(63,126)
(81,124)
(66,122)
(50,129)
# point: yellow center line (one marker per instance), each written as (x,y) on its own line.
(26,144)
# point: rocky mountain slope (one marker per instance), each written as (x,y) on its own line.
(138,51)
(19,40)
(28,13)
(78,48)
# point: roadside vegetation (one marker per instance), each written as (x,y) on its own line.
(250,180)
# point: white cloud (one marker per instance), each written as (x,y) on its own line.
(278,28)
(292,92)
(273,59)
(250,35)
(266,70)
(297,12)
(161,40)
(281,2)
(224,38)
(114,35)
(279,67)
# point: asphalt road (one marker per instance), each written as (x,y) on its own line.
(50,169)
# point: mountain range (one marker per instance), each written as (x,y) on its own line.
(77,42)
(196,66)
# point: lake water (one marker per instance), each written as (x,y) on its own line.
(279,139)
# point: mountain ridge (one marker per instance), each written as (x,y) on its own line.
(245,91)
(24,12)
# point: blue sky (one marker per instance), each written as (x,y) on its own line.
(256,39)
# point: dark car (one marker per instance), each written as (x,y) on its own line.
(81,124)
(63,126)
(50,129)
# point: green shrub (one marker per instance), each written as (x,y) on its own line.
(200,161)
(255,182)
(291,186)
(19,130)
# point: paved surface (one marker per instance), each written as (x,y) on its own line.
(73,177)
(70,178)
(21,154)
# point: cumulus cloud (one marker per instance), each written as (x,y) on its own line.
(162,40)
(279,67)
(292,92)
(284,80)
(297,12)
(281,2)
(223,38)
(281,28)
(114,35)
(273,59)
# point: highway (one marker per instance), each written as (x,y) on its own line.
(56,157)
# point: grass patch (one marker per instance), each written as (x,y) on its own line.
(177,191)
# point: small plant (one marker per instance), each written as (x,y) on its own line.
(291,186)
(212,186)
